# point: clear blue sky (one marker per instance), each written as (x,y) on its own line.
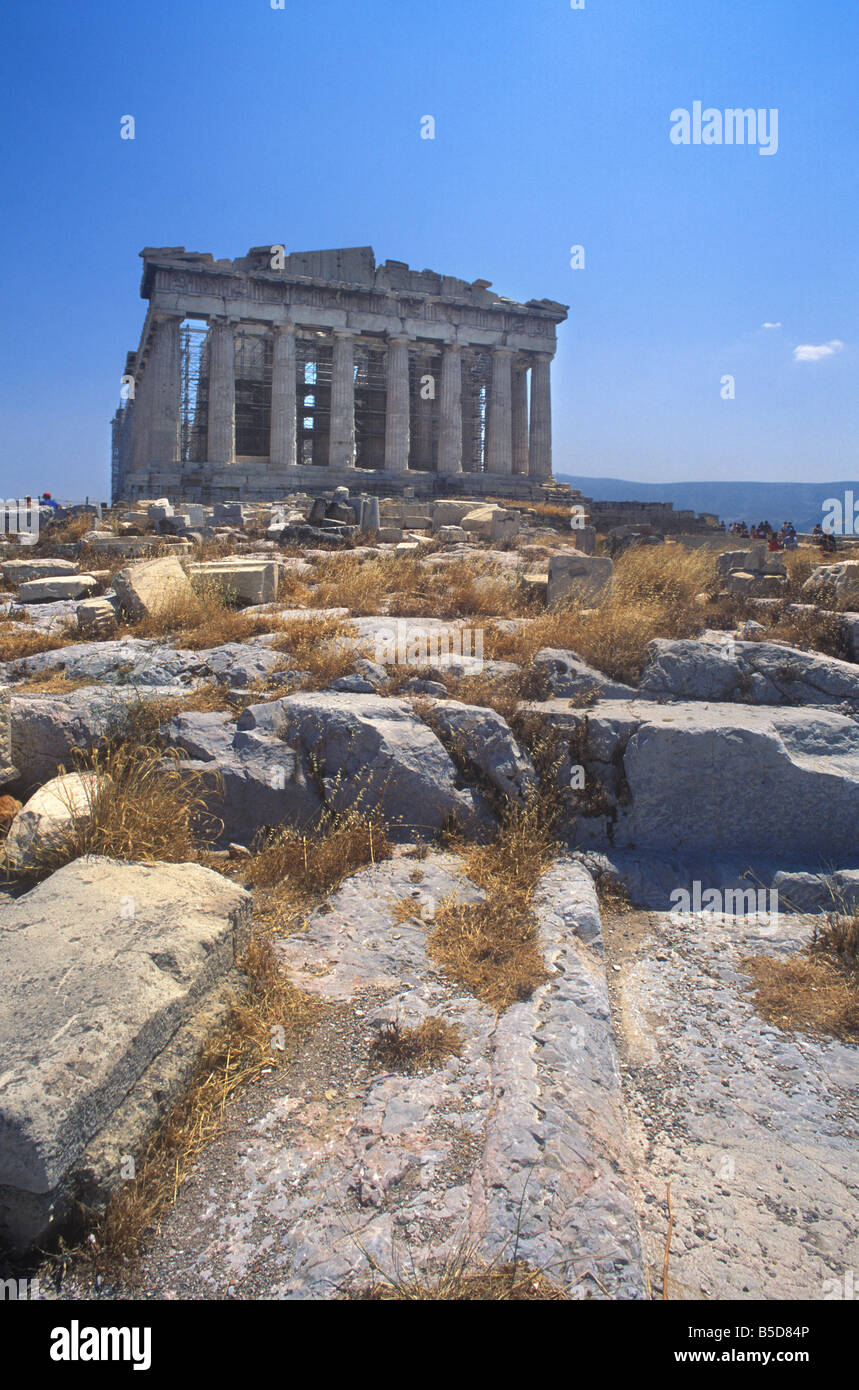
(301,126)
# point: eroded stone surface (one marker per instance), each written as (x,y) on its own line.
(755,1129)
(336,1159)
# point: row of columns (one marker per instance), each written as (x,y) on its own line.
(514,443)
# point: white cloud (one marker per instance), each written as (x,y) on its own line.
(808,352)
(770,325)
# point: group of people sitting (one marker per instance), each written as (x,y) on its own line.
(785,539)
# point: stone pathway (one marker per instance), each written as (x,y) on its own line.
(756,1130)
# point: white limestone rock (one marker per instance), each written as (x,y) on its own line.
(576,576)
(837,584)
(148,587)
(60,586)
(369,751)
(102,966)
(44,823)
(759,673)
(715,777)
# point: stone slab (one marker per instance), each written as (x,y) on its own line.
(101,964)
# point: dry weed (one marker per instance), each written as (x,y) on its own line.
(492,947)
(417,1049)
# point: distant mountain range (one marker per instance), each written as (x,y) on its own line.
(801,503)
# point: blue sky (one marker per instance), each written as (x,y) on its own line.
(302,126)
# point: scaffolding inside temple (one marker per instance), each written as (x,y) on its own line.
(193,390)
(313,360)
(253,358)
(476,378)
(313,405)
(370,405)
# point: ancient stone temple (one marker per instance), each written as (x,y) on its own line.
(276,371)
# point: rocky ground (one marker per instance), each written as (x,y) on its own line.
(678,719)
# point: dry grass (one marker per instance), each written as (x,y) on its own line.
(201,619)
(550,509)
(141,807)
(312,863)
(57,683)
(492,947)
(464,1279)
(816,992)
(67,532)
(16,643)
(839,940)
(813,631)
(293,589)
(403,586)
(311,644)
(805,994)
(263,1030)
(418,1049)
(652,596)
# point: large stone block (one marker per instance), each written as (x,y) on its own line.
(836,584)
(758,673)
(97,617)
(20,571)
(60,586)
(255,581)
(782,783)
(101,965)
(491,523)
(449,511)
(249,779)
(584,578)
(747,585)
(367,752)
(152,586)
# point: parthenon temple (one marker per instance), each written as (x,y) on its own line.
(319,368)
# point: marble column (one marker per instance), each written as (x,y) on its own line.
(282,446)
(450,423)
(540,447)
(222,392)
(141,421)
(499,433)
(164,371)
(341,446)
(397,423)
(520,418)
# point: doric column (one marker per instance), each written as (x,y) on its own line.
(141,422)
(397,405)
(164,371)
(222,392)
(282,445)
(499,434)
(520,418)
(540,447)
(341,446)
(450,424)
